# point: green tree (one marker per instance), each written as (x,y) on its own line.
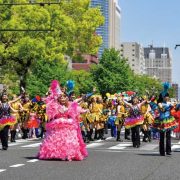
(84,82)
(112,74)
(144,84)
(43,72)
(73,32)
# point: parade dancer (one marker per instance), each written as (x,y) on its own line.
(25,114)
(134,120)
(16,108)
(63,139)
(155,114)
(112,118)
(121,114)
(6,120)
(33,121)
(148,121)
(165,122)
(101,118)
(176,115)
(93,118)
(41,113)
(83,120)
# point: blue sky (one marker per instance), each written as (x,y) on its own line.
(157,21)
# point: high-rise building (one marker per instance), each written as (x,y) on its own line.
(134,53)
(158,63)
(110,31)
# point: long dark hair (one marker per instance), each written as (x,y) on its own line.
(161,97)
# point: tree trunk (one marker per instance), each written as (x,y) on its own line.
(22,84)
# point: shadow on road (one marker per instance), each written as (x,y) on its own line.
(149,154)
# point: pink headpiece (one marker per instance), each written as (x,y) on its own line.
(55,89)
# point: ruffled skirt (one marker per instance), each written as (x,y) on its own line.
(165,124)
(133,121)
(177,130)
(7,121)
(63,140)
(33,123)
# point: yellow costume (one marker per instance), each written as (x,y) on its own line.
(148,118)
(94,116)
(120,115)
(15,106)
(24,116)
(83,116)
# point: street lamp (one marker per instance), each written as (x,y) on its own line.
(177,45)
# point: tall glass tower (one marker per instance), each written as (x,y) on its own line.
(110,31)
(104,29)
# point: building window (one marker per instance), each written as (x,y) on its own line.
(164,56)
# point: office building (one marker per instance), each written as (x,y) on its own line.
(110,31)
(134,53)
(158,63)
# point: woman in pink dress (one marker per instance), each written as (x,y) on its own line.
(63,139)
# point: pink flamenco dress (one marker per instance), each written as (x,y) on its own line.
(63,139)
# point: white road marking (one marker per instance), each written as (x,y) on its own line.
(26,140)
(124,151)
(2,170)
(15,144)
(108,138)
(31,145)
(94,145)
(149,147)
(176,147)
(99,140)
(121,146)
(17,165)
(33,160)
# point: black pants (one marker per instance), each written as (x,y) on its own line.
(168,142)
(127,133)
(42,132)
(136,135)
(4,136)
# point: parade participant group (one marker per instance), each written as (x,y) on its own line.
(66,123)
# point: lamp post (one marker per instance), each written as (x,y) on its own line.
(177,45)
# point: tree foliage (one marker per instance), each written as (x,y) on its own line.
(113,74)
(43,72)
(83,81)
(73,33)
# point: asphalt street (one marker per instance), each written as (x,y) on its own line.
(107,160)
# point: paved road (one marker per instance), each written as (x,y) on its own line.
(108,160)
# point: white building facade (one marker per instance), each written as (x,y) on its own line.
(158,63)
(134,53)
